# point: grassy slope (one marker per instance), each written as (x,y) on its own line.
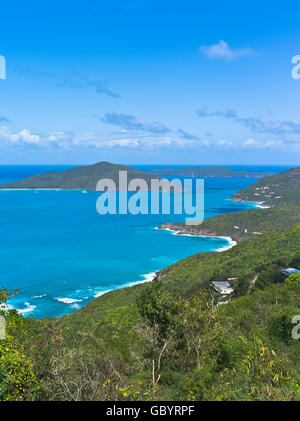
(280,189)
(244,261)
(108,327)
(253,220)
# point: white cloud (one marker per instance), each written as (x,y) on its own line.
(269,144)
(203,142)
(56,136)
(125,143)
(274,143)
(144,142)
(251,142)
(224,143)
(24,136)
(109,140)
(223,51)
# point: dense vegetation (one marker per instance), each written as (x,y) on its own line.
(170,339)
(209,171)
(250,258)
(17,379)
(280,189)
(242,225)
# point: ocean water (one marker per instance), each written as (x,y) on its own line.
(60,253)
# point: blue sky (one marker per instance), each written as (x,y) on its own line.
(149,82)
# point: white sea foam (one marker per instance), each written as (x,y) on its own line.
(148,277)
(67,300)
(29,308)
(262,206)
(168,229)
(39,296)
(231,242)
(257,205)
(98,294)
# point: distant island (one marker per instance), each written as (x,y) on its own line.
(86,177)
(79,178)
(279,189)
(209,171)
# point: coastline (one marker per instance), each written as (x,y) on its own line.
(260,205)
(148,277)
(75,303)
(231,242)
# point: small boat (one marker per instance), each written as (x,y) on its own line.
(84,191)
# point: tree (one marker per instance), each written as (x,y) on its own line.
(293,280)
(296,261)
(198,318)
(159,311)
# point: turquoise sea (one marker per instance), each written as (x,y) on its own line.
(61,253)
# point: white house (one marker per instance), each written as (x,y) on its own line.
(222,288)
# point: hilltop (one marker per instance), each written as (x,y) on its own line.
(279,189)
(78,178)
(209,171)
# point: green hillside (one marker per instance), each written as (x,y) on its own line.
(280,189)
(239,351)
(79,178)
(242,225)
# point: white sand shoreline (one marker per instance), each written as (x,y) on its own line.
(231,242)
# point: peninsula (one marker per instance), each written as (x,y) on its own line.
(279,189)
(209,171)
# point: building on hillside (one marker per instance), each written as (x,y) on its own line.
(289,271)
(222,288)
